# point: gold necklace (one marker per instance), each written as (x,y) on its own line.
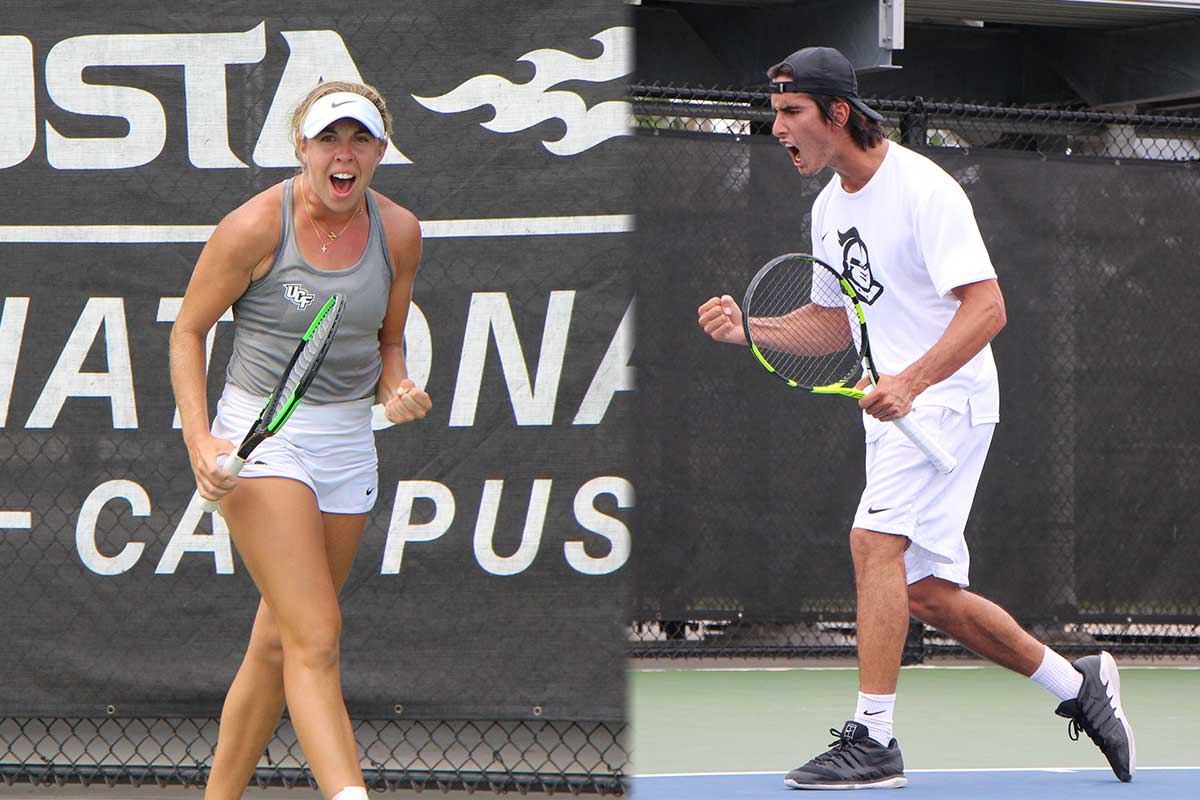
(327,234)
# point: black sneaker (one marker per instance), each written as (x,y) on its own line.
(855,761)
(1097,712)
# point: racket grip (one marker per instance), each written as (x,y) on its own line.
(937,455)
(234,465)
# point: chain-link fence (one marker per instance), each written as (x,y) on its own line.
(1085,522)
(565,757)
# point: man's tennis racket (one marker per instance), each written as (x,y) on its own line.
(803,322)
(292,385)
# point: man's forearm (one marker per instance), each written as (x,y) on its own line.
(810,330)
(978,319)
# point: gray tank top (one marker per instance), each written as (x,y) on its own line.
(276,310)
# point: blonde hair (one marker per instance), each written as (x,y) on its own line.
(329,87)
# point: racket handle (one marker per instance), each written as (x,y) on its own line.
(937,455)
(235,464)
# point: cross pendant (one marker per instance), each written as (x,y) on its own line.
(324,248)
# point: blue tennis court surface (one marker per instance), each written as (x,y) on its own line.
(974,784)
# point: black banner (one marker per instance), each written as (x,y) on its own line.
(489,584)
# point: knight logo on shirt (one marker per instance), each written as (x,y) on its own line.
(299,296)
(856,265)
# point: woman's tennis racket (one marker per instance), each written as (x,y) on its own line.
(292,385)
(804,324)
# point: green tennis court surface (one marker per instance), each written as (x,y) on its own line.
(700,722)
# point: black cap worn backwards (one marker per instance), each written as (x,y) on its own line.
(823,70)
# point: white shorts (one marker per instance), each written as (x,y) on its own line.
(907,496)
(330,448)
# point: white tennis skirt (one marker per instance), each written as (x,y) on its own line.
(330,448)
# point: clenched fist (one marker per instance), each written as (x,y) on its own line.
(407,404)
(721,319)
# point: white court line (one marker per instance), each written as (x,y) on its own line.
(745,669)
(16,520)
(805,669)
(431,229)
(1179,667)
(924,771)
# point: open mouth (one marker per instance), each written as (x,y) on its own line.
(793,151)
(342,183)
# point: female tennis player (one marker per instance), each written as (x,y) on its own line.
(298,510)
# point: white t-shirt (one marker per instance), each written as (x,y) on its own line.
(906,239)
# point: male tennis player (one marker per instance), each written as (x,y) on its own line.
(298,510)
(905,234)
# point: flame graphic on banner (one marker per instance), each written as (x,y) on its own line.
(521,106)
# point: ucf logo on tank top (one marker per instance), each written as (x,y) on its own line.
(299,296)
(856,265)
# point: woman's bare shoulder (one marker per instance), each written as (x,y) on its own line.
(257,221)
(403,232)
(396,218)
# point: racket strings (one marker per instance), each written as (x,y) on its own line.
(303,368)
(310,354)
(804,324)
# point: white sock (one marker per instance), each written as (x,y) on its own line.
(875,712)
(351,793)
(1058,676)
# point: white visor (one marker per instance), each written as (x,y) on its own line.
(342,105)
